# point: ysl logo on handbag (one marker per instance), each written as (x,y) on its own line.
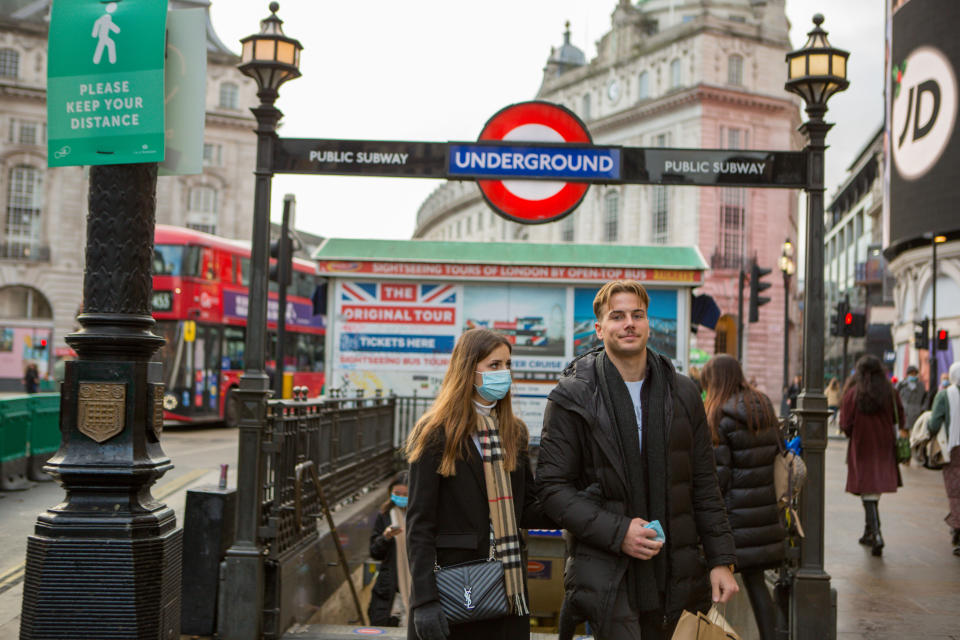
(467,600)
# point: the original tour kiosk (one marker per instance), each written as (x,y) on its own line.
(396,308)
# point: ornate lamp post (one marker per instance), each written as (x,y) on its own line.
(270,58)
(787,267)
(815,72)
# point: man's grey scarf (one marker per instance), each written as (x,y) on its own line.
(648,479)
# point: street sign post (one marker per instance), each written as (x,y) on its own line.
(105,82)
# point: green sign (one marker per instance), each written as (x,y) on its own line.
(105,82)
(186,92)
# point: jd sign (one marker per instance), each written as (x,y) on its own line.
(105,82)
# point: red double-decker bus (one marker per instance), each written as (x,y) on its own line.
(200,296)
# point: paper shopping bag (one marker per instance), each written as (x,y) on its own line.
(697,626)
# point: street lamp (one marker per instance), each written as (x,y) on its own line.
(814,72)
(270,58)
(787,267)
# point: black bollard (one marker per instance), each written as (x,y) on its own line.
(105,563)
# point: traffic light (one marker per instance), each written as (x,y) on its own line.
(279,256)
(756,286)
(835,323)
(839,318)
(41,344)
(856,324)
(942,339)
(921,335)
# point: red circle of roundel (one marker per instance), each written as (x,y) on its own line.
(569,127)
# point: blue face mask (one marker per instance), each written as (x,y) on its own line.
(495,385)
(400,501)
(911,378)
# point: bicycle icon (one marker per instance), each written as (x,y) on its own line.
(62,152)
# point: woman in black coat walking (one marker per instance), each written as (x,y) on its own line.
(745,433)
(388,546)
(471,488)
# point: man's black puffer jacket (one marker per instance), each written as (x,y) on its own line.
(582,483)
(745,469)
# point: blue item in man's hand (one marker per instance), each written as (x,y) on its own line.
(655,525)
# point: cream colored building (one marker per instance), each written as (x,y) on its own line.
(673,73)
(42,220)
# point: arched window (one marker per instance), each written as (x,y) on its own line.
(17,301)
(202,209)
(676,74)
(586,106)
(611,216)
(643,86)
(735,70)
(228,95)
(24,205)
(9,63)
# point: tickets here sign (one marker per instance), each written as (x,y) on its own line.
(105,82)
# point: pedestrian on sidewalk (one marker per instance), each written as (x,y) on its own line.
(745,431)
(867,416)
(31,378)
(388,545)
(626,450)
(912,394)
(471,487)
(946,415)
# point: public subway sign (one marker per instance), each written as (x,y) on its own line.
(105,82)
(534,162)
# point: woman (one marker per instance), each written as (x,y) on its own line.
(869,411)
(470,487)
(833,394)
(946,415)
(388,545)
(745,433)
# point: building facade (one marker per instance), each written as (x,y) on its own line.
(42,234)
(672,73)
(855,269)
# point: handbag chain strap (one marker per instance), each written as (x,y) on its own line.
(491,557)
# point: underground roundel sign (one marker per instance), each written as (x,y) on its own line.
(533,197)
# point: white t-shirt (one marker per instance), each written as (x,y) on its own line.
(634,389)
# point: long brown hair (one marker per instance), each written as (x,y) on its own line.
(874,391)
(722,378)
(453,413)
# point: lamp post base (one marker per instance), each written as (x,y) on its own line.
(812,599)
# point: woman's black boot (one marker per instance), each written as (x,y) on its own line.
(867,537)
(873,521)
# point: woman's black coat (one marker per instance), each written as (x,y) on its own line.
(745,471)
(385,588)
(448,521)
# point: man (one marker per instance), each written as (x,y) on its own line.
(625,442)
(912,394)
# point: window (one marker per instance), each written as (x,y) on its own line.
(228,95)
(203,209)
(480,221)
(24,203)
(611,217)
(25,132)
(212,154)
(459,229)
(731,138)
(643,86)
(676,75)
(732,218)
(660,207)
(167,260)
(586,106)
(469,226)
(735,70)
(567,231)
(9,63)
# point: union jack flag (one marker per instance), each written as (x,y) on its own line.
(359,292)
(438,293)
(419,294)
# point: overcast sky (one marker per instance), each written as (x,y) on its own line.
(436,70)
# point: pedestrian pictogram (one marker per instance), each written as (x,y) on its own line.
(101,31)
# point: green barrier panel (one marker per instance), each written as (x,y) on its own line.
(44,433)
(48,385)
(15,417)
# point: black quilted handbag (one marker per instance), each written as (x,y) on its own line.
(472,591)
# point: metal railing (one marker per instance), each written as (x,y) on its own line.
(15,250)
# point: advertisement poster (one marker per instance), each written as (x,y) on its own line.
(662,315)
(394,336)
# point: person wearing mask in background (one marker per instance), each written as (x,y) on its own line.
(388,545)
(745,432)
(912,394)
(31,378)
(471,487)
(946,415)
(870,414)
(625,445)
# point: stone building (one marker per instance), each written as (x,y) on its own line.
(42,234)
(673,73)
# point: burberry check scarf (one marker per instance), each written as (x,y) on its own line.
(502,516)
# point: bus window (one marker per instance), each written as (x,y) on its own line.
(243,272)
(233,344)
(317,348)
(304,285)
(208,264)
(167,260)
